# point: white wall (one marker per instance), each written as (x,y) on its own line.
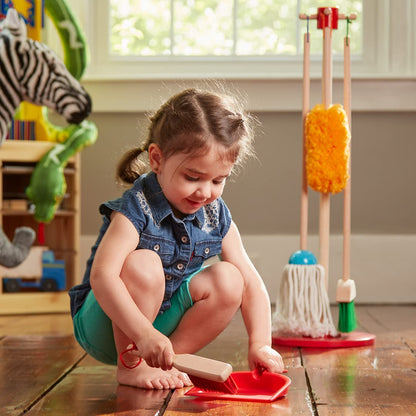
(381,265)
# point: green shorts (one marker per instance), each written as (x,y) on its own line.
(94,332)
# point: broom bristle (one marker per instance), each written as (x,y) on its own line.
(228,386)
(347,321)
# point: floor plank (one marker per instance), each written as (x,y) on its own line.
(91,389)
(387,318)
(368,358)
(373,410)
(376,380)
(30,366)
(361,387)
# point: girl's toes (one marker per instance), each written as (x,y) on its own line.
(185,380)
(178,383)
(165,382)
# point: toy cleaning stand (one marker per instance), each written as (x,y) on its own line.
(303,316)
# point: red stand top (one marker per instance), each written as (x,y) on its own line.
(327,17)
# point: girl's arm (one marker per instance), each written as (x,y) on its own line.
(120,239)
(255,305)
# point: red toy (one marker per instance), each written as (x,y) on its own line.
(302,320)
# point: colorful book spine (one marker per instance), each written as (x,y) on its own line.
(21,130)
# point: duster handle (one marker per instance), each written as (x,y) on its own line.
(347,190)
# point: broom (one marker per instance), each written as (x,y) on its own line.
(346,290)
(302,307)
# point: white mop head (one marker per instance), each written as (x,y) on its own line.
(302,306)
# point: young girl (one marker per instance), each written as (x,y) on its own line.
(149,286)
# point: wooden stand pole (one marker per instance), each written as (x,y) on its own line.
(324,204)
(305,110)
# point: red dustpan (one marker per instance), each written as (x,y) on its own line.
(267,388)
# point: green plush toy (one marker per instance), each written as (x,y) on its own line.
(47,184)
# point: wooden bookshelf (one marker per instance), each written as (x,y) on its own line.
(17,161)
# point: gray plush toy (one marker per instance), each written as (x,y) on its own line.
(12,254)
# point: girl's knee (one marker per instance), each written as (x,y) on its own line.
(231,282)
(144,268)
(223,281)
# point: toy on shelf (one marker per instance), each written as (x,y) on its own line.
(13,253)
(47,184)
(39,271)
(303,316)
(31,71)
(32,118)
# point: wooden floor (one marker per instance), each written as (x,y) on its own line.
(44,372)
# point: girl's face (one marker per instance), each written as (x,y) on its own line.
(190,182)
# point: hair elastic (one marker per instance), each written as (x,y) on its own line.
(129,348)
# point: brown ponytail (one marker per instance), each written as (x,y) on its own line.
(131,166)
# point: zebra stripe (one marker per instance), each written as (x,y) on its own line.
(10,90)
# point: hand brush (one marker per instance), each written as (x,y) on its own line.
(205,373)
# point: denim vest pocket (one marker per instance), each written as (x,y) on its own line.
(165,248)
(206,249)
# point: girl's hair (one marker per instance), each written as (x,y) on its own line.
(188,122)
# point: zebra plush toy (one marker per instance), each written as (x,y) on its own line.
(30,71)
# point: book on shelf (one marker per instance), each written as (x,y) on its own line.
(17,204)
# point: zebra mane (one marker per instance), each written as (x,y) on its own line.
(13,25)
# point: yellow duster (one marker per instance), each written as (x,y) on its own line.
(327,139)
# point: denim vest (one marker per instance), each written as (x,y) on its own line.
(183,245)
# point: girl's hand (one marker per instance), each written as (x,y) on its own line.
(265,358)
(156,349)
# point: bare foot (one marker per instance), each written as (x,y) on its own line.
(147,377)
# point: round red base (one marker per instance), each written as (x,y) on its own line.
(344,340)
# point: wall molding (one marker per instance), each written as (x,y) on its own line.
(267,95)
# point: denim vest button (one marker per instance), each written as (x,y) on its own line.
(206,251)
(168,277)
(179,266)
(184,239)
(156,247)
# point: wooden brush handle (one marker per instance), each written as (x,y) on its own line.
(202,367)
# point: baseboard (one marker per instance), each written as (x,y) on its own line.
(381,265)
